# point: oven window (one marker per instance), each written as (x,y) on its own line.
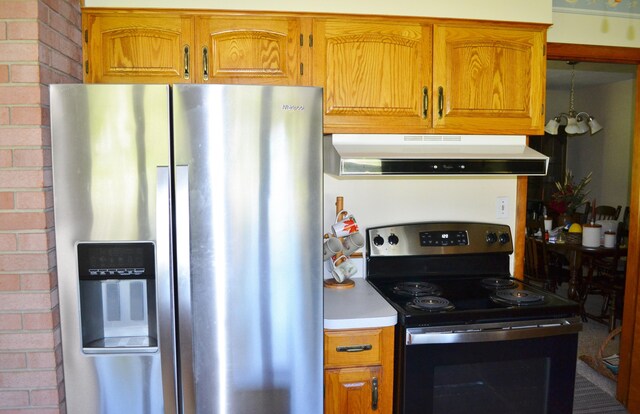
(535,375)
(492,387)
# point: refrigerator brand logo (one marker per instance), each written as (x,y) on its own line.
(287,107)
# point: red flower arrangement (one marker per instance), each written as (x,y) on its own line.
(570,195)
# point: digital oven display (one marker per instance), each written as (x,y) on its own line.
(444,238)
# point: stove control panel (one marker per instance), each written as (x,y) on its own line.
(431,238)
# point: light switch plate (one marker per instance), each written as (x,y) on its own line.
(502,207)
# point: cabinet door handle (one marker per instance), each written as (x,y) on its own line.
(354,348)
(440,102)
(425,102)
(205,63)
(374,393)
(186,61)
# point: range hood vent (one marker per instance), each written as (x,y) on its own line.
(417,155)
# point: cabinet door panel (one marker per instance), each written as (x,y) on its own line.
(352,390)
(374,74)
(138,48)
(492,79)
(249,50)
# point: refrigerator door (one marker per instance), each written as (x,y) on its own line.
(248,240)
(107,144)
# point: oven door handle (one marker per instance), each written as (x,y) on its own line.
(492,332)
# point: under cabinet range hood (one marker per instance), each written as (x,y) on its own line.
(417,155)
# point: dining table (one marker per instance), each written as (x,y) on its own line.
(575,254)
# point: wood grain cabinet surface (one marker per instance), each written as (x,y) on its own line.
(379,74)
(358,373)
(258,50)
(489,79)
(137,47)
(141,47)
(376,75)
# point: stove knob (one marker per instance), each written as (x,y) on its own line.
(378,240)
(491,238)
(393,239)
(504,238)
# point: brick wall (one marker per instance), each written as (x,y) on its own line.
(40,44)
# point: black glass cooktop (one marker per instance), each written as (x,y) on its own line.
(474,300)
(464,263)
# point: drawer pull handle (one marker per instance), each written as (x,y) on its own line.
(354,348)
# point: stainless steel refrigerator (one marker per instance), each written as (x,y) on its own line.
(188,227)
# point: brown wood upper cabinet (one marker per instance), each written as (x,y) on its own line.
(137,47)
(414,77)
(379,74)
(259,50)
(208,48)
(376,74)
(489,79)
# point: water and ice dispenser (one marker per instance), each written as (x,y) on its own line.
(117,297)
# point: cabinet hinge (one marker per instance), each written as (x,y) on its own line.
(86,36)
(310,40)
(86,67)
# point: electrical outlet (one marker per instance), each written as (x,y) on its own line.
(502,207)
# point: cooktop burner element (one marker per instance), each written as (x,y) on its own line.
(498,283)
(517,297)
(416,289)
(432,304)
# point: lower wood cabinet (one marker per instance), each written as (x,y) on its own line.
(358,375)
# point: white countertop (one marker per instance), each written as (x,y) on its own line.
(357,307)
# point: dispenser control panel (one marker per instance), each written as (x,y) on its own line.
(121,260)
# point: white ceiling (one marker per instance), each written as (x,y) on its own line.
(587,74)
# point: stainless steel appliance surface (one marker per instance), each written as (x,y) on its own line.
(188,228)
(471,338)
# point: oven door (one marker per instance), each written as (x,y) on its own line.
(520,368)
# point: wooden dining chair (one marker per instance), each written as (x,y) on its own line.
(606,277)
(622,233)
(583,216)
(607,213)
(541,267)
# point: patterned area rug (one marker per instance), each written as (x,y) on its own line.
(590,399)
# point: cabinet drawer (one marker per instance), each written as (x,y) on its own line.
(356,347)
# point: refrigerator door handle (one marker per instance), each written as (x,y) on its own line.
(165,288)
(184,288)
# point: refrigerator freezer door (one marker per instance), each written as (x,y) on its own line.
(248,231)
(107,142)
